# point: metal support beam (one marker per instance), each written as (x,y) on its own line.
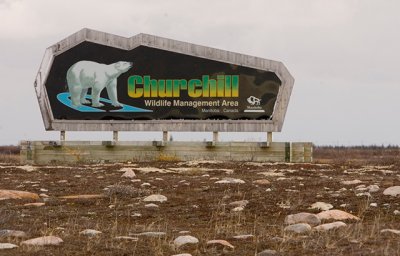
(62,136)
(165,136)
(215,137)
(269,137)
(115,136)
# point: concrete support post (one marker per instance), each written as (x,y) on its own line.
(62,136)
(215,137)
(165,136)
(269,137)
(115,136)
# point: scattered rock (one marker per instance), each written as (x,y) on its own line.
(367,194)
(151,206)
(361,187)
(152,169)
(267,253)
(273,173)
(373,188)
(392,191)
(300,228)
(329,226)
(28,168)
(262,182)
(396,212)
(221,242)
(351,182)
(43,241)
(146,184)
(15,194)
(238,209)
(354,241)
(126,238)
(150,234)
(241,203)
(373,204)
(7,246)
(184,240)
(198,162)
(394,231)
(125,169)
(129,174)
(284,205)
(230,181)
(155,198)
(34,204)
(12,233)
(302,217)
(90,232)
(321,206)
(182,254)
(336,215)
(243,237)
(95,196)
(277,239)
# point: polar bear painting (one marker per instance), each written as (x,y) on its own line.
(88,74)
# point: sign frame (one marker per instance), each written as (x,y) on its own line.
(88,35)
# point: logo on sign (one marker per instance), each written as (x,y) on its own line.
(254,101)
(255,105)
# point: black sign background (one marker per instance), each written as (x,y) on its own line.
(161,64)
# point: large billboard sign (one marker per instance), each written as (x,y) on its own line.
(98,81)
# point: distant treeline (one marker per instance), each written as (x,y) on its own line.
(9,150)
(372,154)
(372,147)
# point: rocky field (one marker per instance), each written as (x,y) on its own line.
(339,205)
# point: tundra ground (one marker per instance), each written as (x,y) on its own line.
(200,205)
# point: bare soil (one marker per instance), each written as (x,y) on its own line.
(200,206)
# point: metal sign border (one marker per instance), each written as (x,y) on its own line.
(89,35)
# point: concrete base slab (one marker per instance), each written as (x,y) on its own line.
(55,152)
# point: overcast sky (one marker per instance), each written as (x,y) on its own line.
(343,54)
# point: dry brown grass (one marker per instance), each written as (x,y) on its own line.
(203,207)
(376,155)
(9,158)
(9,154)
(167,158)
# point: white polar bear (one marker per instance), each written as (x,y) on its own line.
(88,74)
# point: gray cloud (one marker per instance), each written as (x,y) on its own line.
(343,54)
